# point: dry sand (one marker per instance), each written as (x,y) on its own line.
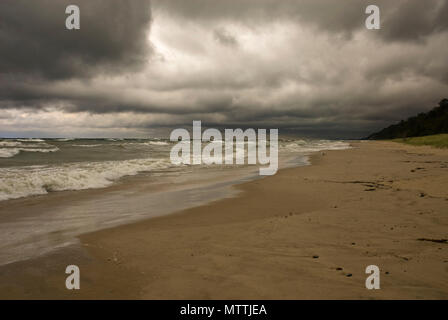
(305,233)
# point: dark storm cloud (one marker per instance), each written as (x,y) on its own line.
(407,20)
(307,66)
(34,40)
(225,38)
(414,20)
(327,14)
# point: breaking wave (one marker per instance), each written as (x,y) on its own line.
(313,146)
(9,149)
(17,182)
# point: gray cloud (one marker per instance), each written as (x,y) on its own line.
(414,20)
(225,38)
(305,66)
(35,42)
(407,20)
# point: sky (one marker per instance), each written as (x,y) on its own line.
(141,68)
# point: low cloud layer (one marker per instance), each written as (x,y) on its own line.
(307,66)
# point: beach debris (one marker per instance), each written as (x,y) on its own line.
(422,194)
(433,240)
(348,275)
(402,257)
(370,185)
(115,258)
(315,257)
(339,268)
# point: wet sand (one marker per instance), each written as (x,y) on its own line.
(305,233)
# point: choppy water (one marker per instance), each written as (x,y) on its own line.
(39,166)
(107,182)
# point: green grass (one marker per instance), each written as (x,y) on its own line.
(438,141)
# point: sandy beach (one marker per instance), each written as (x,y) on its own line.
(306,233)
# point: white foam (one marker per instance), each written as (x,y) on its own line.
(88,145)
(314,145)
(158,143)
(17,182)
(31,140)
(45,150)
(10,143)
(11,152)
(13,143)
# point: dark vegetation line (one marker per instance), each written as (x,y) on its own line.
(424,124)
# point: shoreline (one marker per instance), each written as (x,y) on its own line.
(69,214)
(282,237)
